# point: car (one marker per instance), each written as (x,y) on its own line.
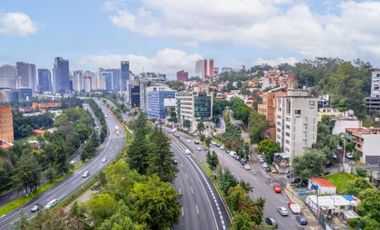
(196,142)
(106,116)
(237,157)
(349,155)
(301,220)
(243,161)
(187,152)
(213,142)
(265,165)
(222,147)
(199,148)
(85,174)
(104,160)
(173,130)
(247,167)
(51,203)
(188,140)
(261,160)
(35,207)
(175,162)
(277,188)
(271,221)
(283,211)
(294,207)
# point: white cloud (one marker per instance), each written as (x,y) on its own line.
(276,61)
(16,23)
(346,32)
(167,61)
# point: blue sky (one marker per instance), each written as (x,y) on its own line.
(169,35)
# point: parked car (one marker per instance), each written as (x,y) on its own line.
(213,142)
(35,207)
(265,165)
(294,207)
(175,162)
(271,221)
(51,204)
(243,161)
(247,167)
(222,147)
(85,174)
(199,148)
(301,220)
(277,188)
(283,211)
(349,155)
(232,153)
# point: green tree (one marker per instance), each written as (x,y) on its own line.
(358,185)
(361,172)
(310,164)
(241,221)
(257,126)
(208,141)
(212,160)
(138,153)
(269,148)
(27,173)
(161,158)
(186,123)
(101,207)
(227,180)
(156,203)
(370,203)
(200,127)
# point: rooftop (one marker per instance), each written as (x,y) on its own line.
(322,182)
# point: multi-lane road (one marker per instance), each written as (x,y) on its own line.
(261,182)
(108,150)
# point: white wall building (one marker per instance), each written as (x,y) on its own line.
(296,127)
(375,84)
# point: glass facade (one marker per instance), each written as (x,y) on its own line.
(156,105)
(202,107)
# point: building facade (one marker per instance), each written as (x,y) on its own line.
(366,143)
(124,75)
(6,124)
(296,122)
(21,94)
(44,80)
(375,83)
(205,69)
(158,99)
(182,76)
(8,76)
(26,74)
(61,75)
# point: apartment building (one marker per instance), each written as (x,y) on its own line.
(194,106)
(268,108)
(296,122)
(373,102)
(6,124)
(159,98)
(366,143)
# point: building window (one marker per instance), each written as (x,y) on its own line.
(297,112)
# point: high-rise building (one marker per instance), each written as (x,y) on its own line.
(61,75)
(26,74)
(78,80)
(111,79)
(87,84)
(158,99)
(134,95)
(375,85)
(205,69)
(182,76)
(296,122)
(6,124)
(8,76)
(44,80)
(210,68)
(124,75)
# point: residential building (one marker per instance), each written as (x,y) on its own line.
(226,69)
(205,69)
(268,108)
(375,83)
(6,124)
(321,186)
(332,204)
(87,84)
(26,74)
(347,120)
(276,78)
(43,106)
(21,94)
(182,76)
(330,112)
(124,75)
(296,122)
(366,143)
(61,75)
(44,80)
(159,98)
(194,106)
(8,76)
(78,80)
(373,104)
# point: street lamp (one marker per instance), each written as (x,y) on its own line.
(344,136)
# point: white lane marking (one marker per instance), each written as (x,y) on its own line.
(192,191)
(183,212)
(196,207)
(180,192)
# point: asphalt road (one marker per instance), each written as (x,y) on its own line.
(202,207)
(257,177)
(108,150)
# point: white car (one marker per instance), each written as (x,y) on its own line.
(283,211)
(247,167)
(265,165)
(104,160)
(85,174)
(51,204)
(222,147)
(349,155)
(188,140)
(199,148)
(35,208)
(187,152)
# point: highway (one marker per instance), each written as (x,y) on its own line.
(202,207)
(108,150)
(257,177)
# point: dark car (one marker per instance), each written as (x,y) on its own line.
(301,220)
(175,162)
(271,221)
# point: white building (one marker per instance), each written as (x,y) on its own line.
(296,127)
(332,204)
(375,85)
(321,186)
(78,80)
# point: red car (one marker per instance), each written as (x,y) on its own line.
(277,188)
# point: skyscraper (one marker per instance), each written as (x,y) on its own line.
(8,76)
(26,74)
(44,80)
(61,75)
(78,80)
(182,76)
(205,68)
(124,74)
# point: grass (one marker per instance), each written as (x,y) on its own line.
(342,181)
(23,200)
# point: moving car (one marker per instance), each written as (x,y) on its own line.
(283,211)
(85,174)
(187,152)
(277,188)
(247,167)
(104,160)
(271,221)
(51,204)
(35,207)
(188,140)
(301,220)
(199,148)
(196,142)
(173,130)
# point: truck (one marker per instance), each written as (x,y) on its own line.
(295,208)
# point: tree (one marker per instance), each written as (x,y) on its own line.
(227,180)
(138,152)
(370,203)
(236,198)
(257,126)
(157,203)
(358,185)
(361,172)
(161,158)
(212,160)
(186,123)
(208,141)
(200,127)
(310,164)
(101,207)
(241,221)
(27,173)
(269,148)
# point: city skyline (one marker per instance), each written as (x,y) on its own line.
(101,33)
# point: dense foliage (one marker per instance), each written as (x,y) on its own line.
(23,125)
(310,164)
(268,147)
(257,126)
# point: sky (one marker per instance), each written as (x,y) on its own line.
(169,35)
